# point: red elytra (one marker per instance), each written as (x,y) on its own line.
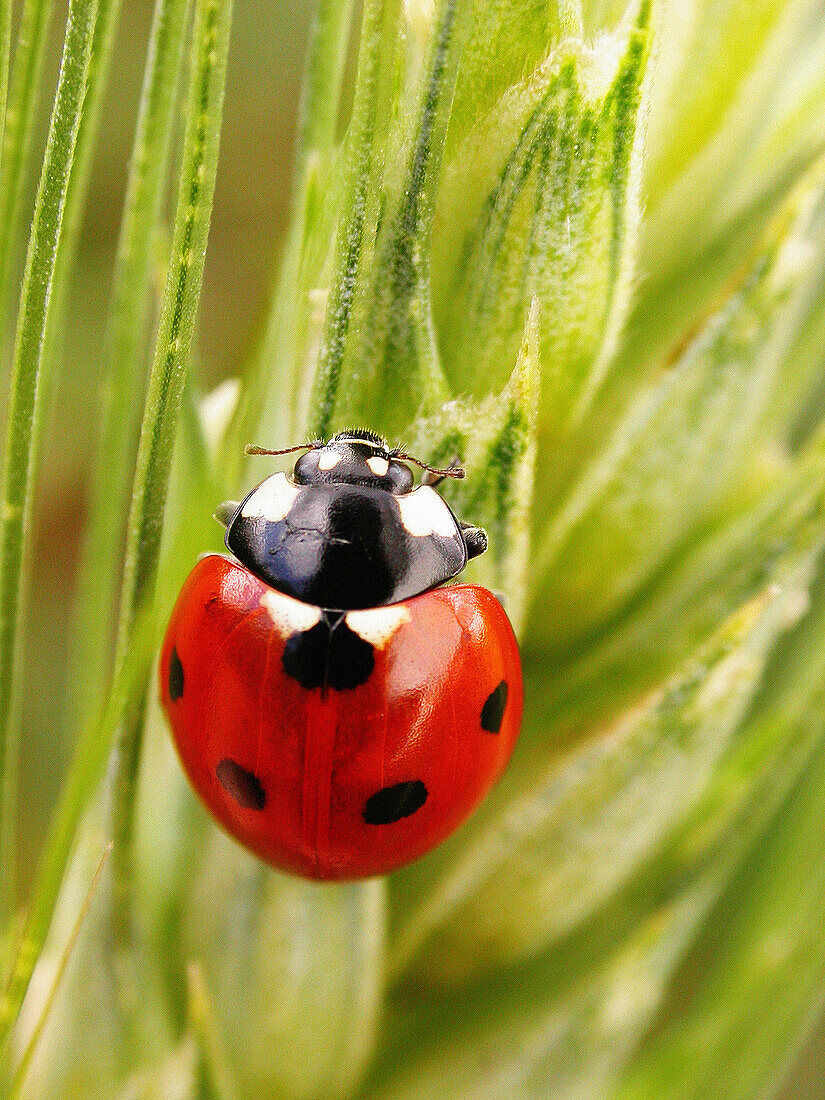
(319,774)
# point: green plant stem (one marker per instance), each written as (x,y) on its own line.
(122,380)
(197,183)
(318,122)
(24,405)
(351,232)
(18,133)
(320,108)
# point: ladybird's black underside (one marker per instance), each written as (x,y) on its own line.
(492,713)
(243,786)
(175,676)
(394,803)
(330,655)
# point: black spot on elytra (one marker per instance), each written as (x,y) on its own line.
(175,676)
(329,655)
(244,786)
(392,803)
(492,713)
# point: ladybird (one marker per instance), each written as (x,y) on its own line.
(338,707)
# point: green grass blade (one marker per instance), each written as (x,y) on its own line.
(351,232)
(5,52)
(755,976)
(81,782)
(121,378)
(321,96)
(547,1034)
(569,843)
(197,184)
(23,1065)
(108,12)
(312,959)
(18,134)
(394,366)
(283,338)
(204,1025)
(24,405)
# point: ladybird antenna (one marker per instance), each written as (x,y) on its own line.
(253,449)
(453,470)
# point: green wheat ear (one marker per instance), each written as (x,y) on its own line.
(578,245)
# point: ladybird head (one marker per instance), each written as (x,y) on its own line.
(358,456)
(354,457)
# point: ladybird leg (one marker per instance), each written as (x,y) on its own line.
(475,539)
(225,511)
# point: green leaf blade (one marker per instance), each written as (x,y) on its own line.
(18,131)
(19,458)
(163,401)
(304,1020)
(121,376)
(685,449)
(752,1003)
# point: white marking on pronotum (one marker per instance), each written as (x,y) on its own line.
(423,512)
(328,460)
(272,499)
(290,616)
(378,624)
(378,465)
